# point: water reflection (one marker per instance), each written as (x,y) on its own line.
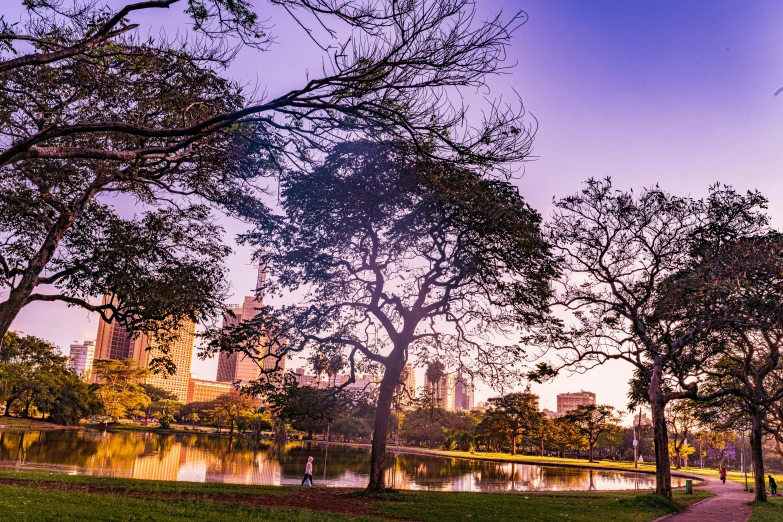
(202,458)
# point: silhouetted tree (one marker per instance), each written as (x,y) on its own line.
(402,257)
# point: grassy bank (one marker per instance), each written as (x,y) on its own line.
(17,423)
(771,511)
(42,497)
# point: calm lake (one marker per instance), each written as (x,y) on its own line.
(201,458)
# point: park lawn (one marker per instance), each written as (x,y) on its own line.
(31,504)
(54,497)
(16,423)
(157,487)
(535,507)
(771,511)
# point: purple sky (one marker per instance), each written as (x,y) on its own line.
(678,93)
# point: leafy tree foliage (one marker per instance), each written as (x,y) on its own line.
(626,259)
(401,258)
(517,414)
(120,390)
(33,374)
(92,112)
(231,407)
(592,421)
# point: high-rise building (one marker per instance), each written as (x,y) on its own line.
(408,379)
(181,354)
(570,401)
(237,366)
(81,358)
(463,393)
(114,342)
(200,390)
(442,390)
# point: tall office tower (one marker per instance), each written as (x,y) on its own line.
(82,356)
(181,353)
(570,401)
(442,390)
(114,342)
(463,393)
(236,366)
(409,379)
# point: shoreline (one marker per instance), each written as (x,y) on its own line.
(524,459)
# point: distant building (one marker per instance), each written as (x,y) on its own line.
(442,390)
(200,390)
(646,421)
(570,401)
(463,394)
(81,358)
(181,353)
(114,342)
(237,366)
(303,379)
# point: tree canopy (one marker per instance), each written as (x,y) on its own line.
(398,258)
(94,117)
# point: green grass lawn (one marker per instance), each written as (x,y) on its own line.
(771,511)
(30,504)
(535,507)
(124,500)
(17,423)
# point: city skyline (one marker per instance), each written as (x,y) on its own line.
(672,92)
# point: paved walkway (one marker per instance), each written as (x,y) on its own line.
(729,505)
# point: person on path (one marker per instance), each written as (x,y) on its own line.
(773,486)
(308,472)
(723,474)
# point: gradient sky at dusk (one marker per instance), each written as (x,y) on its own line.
(678,93)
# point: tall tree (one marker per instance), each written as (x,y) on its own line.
(92,112)
(120,386)
(682,421)
(30,369)
(748,361)
(403,258)
(619,248)
(592,421)
(518,411)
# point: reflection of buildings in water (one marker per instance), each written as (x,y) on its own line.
(162,465)
(236,466)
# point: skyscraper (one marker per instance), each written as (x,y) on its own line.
(181,353)
(463,393)
(82,356)
(442,389)
(237,366)
(114,342)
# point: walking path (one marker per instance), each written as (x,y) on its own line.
(730,504)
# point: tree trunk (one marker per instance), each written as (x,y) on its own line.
(663,479)
(756,447)
(591,453)
(17,297)
(542,447)
(382,414)
(514,444)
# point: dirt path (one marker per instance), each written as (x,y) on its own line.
(730,504)
(333,500)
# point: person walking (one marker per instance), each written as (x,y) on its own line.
(773,486)
(723,474)
(308,477)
